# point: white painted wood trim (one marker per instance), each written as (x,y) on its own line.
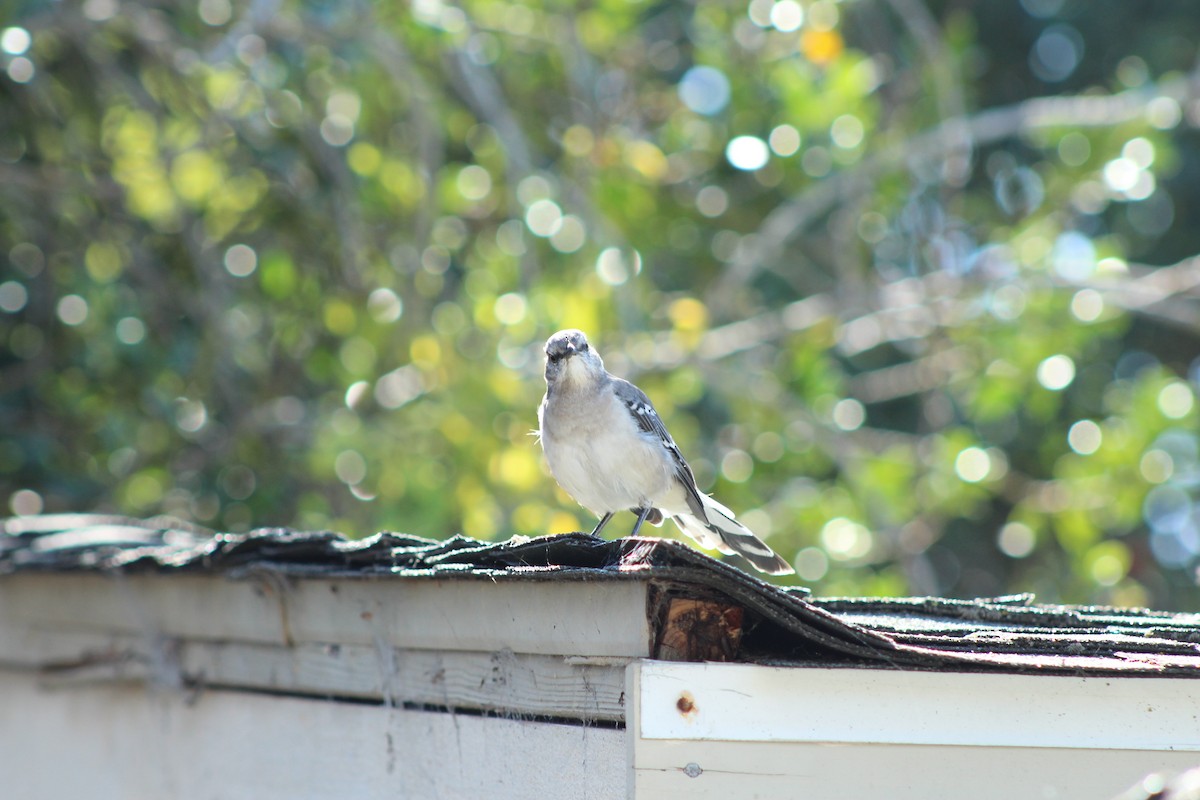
(748,703)
(114,742)
(579,618)
(716,770)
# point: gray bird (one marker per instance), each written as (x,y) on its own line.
(608,448)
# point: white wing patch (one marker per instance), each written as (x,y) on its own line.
(642,409)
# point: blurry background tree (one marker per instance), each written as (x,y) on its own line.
(912,283)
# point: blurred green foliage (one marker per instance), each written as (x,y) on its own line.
(283,263)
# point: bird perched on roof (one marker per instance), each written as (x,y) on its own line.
(608,448)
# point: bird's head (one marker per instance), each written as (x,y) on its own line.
(570,360)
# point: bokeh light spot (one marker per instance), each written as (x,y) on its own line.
(510,308)
(1164,113)
(13,296)
(15,40)
(398,387)
(768,447)
(759,12)
(1074,256)
(1156,466)
(578,140)
(821,47)
(384,305)
(350,467)
(1108,562)
(544,218)
(972,464)
(747,153)
(688,314)
(847,131)
(737,466)
(473,182)
(364,158)
(1085,437)
(337,130)
(846,540)
(1121,174)
(241,260)
(849,414)
(615,267)
(1016,540)
(190,415)
(784,140)
(1056,372)
(72,310)
(1176,399)
(25,503)
(811,564)
(704,90)
(1140,151)
(787,16)
(21,70)
(1087,305)
(215,12)
(570,236)
(1056,53)
(339,317)
(532,189)
(355,392)
(130,330)
(712,201)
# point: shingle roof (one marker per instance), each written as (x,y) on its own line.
(782,626)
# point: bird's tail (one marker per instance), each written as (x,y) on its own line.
(720,531)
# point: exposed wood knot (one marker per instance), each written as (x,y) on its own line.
(686,704)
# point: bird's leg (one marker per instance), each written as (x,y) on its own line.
(600,525)
(642,514)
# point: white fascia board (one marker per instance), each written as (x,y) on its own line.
(748,703)
(577,618)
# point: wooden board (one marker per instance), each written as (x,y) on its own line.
(718,731)
(743,702)
(513,683)
(582,618)
(824,771)
(118,742)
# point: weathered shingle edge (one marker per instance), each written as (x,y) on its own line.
(1008,634)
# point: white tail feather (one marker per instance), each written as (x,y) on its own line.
(696,529)
(721,531)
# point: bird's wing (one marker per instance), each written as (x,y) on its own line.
(647,419)
(711,524)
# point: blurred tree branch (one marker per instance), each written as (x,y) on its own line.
(915,308)
(767,248)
